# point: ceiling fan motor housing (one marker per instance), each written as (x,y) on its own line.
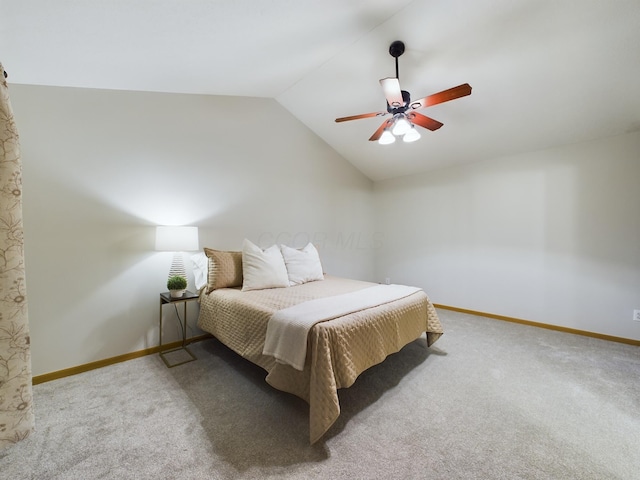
(406,99)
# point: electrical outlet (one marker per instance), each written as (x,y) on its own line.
(636,315)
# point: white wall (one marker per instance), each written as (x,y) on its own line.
(551,236)
(102,168)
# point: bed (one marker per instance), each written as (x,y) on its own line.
(336,351)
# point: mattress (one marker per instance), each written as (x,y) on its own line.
(338,350)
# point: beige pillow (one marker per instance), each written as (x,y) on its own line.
(225,269)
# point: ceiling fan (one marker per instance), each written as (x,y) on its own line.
(403,109)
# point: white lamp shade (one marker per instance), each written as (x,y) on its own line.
(177,239)
(401,126)
(386,138)
(411,136)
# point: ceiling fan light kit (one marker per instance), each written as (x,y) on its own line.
(399,105)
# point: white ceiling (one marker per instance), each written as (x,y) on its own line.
(543,72)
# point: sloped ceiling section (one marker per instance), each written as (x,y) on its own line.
(543,72)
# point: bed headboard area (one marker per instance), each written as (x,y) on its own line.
(254,268)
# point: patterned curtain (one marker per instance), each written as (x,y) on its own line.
(16,409)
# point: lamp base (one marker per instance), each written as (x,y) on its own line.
(177,266)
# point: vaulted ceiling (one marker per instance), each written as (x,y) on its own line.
(543,72)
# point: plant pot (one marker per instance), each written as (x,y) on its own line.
(177,293)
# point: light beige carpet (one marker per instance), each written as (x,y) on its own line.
(490,400)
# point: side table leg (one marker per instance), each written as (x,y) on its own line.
(184,339)
(160,344)
(184,327)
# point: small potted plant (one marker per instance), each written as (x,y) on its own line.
(177,286)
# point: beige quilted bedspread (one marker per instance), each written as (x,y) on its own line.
(338,351)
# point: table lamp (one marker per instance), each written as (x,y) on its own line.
(177,240)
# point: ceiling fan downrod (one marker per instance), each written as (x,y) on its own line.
(395,50)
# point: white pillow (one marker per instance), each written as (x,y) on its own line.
(302,265)
(262,268)
(200,269)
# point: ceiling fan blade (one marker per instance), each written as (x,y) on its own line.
(378,133)
(441,97)
(392,92)
(424,121)
(364,115)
